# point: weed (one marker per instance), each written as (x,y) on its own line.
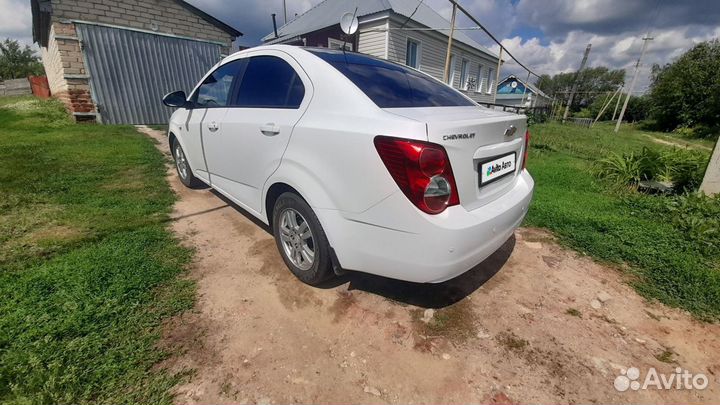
(666,356)
(510,341)
(574,312)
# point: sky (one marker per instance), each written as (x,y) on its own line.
(548,36)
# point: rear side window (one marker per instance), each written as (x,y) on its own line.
(215,89)
(390,85)
(270,82)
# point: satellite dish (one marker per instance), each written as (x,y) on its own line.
(349,23)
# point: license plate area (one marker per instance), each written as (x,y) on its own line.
(497,167)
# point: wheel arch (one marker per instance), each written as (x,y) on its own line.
(172,138)
(272,194)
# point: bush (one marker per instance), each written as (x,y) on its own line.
(697,132)
(620,169)
(699,217)
(536,117)
(684,168)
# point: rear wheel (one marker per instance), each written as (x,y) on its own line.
(301,240)
(183,167)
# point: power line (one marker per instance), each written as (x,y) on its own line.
(413,13)
(482,27)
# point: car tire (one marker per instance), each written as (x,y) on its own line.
(298,233)
(182,166)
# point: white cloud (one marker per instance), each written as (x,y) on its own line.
(619,51)
(16,20)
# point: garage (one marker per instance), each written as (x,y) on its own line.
(130,71)
(112,61)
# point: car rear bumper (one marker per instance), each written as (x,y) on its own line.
(394,239)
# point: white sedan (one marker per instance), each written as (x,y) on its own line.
(355,162)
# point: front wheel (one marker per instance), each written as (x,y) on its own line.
(301,240)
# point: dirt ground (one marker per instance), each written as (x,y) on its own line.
(535,323)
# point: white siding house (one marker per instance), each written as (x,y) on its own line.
(388,29)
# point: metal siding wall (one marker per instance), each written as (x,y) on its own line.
(131,71)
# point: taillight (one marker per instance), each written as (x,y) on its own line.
(527,148)
(421,170)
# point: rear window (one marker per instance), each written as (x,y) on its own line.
(390,85)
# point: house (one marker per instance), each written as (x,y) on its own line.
(403,31)
(515,92)
(112,61)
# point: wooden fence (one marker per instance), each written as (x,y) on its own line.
(15,87)
(518,109)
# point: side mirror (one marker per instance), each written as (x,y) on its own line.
(176,99)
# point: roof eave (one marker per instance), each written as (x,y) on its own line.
(223,26)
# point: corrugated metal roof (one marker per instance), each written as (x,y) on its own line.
(328,13)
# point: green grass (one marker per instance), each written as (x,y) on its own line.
(614,226)
(88,268)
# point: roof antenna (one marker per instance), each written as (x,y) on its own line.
(348,25)
(274,25)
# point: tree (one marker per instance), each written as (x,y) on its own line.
(594,83)
(16,62)
(686,92)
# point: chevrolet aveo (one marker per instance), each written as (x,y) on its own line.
(356,163)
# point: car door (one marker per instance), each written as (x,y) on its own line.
(269,100)
(208,108)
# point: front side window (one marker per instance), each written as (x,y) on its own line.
(412,57)
(270,82)
(215,89)
(391,85)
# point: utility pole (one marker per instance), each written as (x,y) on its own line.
(617,104)
(522,101)
(493,87)
(632,83)
(606,105)
(285,10)
(577,81)
(449,46)
(711,183)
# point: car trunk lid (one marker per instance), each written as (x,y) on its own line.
(477,140)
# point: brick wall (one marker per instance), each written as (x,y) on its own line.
(53,65)
(65,69)
(164,16)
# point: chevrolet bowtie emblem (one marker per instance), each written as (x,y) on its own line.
(510,131)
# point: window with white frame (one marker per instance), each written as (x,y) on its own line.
(490,80)
(464,73)
(412,56)
(338,44)
(451,73)
(480,79)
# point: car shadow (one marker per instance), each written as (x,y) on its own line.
(422,295)
(426,295)
(242,211)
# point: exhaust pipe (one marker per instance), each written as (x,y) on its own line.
(274,25)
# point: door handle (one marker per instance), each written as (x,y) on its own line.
(213,126)
(270,129)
